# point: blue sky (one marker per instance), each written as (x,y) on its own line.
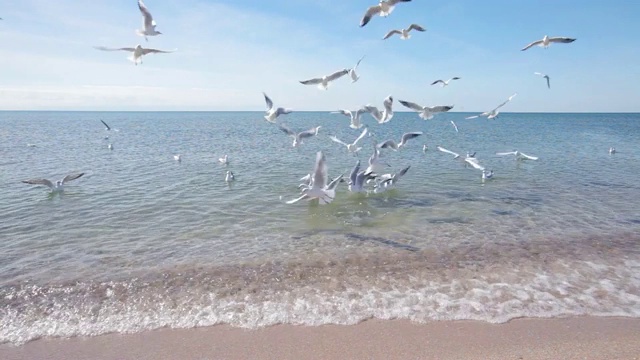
(231,51)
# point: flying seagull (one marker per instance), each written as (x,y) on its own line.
(352,71)
(404,33)
(353,147)
(58,186)
(382,116)
(148,24)
(518,155)
(389,180)
(375,164)
(546,41)
(138,52)
(493,113)
(403,141)
(544,76)
(445,83)
(297,137)
(426,112)
(272,111)
(384,8)
(353,115)
(323,82)
(318,187)
(454,125)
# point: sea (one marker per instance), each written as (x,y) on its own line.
(143,241)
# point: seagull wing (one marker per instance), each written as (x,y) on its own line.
(39,182)
(105,124)
(440,108)
(506,153)
(472,117)
(320,171)
(148,21)
(505,103)
(362,135)
(394,2)
(358,63)
(304,196)
(309,133)
(437,81)
(473,162)
(374,112)
(537,42)
(447,151)
(71,177)
(313,81)
(529,156)
(152,51)
(416,27)
(268,101)
(538,73)
(104,48)
(332,137)
(390,34)
(338,74)
(343,112)
(454,125)
(286,130)
(408,136)
(412,106)
(564,40)
(389,144)
(548,83)
(369,14)
(354,173)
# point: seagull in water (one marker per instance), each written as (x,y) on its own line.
(486,175)
(229,177)
(546,41)
(388,181)
(224,160)
(518,155)
(319,188)
(148,24)
(384,8)
(386,114)
(58,186)
(177,158)
(493,113)
(138,52)
(445,83)
(323,82)
(297,137)
(353,115)
(425,112)
(352,72)
(544,76)
(403,141)
(272,111)
(353,147)
(404,33)
(110,147)
(612,150)
(357,179)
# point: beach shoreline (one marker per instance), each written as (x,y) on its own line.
(559,338)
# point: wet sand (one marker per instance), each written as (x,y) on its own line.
(572,338)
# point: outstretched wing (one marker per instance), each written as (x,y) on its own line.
(39,182)
(564,40)
(454,125)
(506,153)
(320,171)
(268,101)
(412,106)
(152,51)
(104,48)
(148,21)
(410,135)
(440,108)
(332,137)
(369,14)
(437,81)
(389,144)
(391,33)
(286,130)
(394,2)
(529,156)
(362,135)
(338,74)
(309,133)
(313,81)
(447,151)
(105,124)
(472,117)
(71,177)
(474,162)
(416,27)
(537,42)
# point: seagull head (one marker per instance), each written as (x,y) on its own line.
(138,47)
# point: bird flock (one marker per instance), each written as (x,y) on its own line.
(371,180)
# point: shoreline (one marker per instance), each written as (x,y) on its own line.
(528,338)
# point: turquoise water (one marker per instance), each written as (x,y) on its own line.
(142,241)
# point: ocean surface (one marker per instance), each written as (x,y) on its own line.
(142,241)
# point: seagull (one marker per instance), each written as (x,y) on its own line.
(107,126)
(386,114)
(229,177)
(353,115)
(405,137)
(138,52)
(352,72)
(486,175)
(353,147)
(323,82)
(389,181)
(424,148)
(518,155)
(404,33)
(445,83)
(297,137)
(148,24)
(426,112)
(272,111)
(544,76)
(110,146)
(177,158)
(375,164)
(454,125)
(318,188)
(455,155)
(357,179)
(612,150)
(546,41)
(224,160)
(473,162)
(493,113)
(58,186)
(384,8)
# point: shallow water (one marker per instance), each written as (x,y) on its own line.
(142,241)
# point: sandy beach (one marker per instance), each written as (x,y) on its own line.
(571,338)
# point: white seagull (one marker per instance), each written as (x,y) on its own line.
(138,52)
(425,112)
(272,111)
(468,159)
(518,155)
(388,181)
(445,83)
(297,137)
(375,164)
(110,146)
(384,8)
(177,158)
(352,71)
(486,175)
(454,125)
(58,186)
(357,179)
(544,76)
(404,33)
(229,177)
(424,148)
(612,150)
(224,160)
(148,24)
(353,115)
(403,141)
(386,114)
(323,82)
(546,41)
(318,188)
(353,147)
(493,113)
